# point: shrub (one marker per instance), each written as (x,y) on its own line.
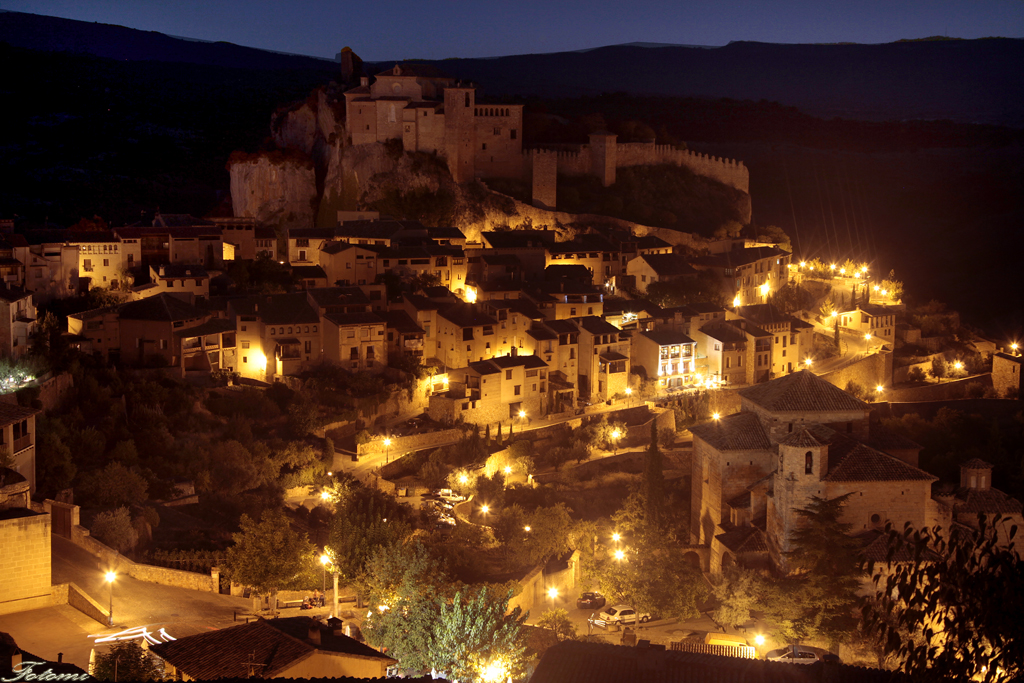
(916,375)
(114,528)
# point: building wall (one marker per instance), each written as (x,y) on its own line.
(545,179)
(705,493)
(500,129)
(103,262)
(24,559)
(1006,373)
(15,335)
(460,133)
(331,665)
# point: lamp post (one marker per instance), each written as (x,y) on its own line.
(615,441)
(387,449)
(324,560)
(110,576)
(552,594)
(758,642)
(629,396)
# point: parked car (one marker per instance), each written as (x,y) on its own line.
(793,655)
(450,496)
(590,600)
(622,614)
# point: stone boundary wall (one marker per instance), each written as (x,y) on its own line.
(726,171)
(989,407)
(415,442)
(533,596)
(165,576)
(901,373)
(868,372)
(944,391)
(80,600)
(54,389)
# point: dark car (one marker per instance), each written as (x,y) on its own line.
(590,600)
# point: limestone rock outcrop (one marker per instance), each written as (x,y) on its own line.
(275,188)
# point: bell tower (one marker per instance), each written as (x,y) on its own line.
(460,131)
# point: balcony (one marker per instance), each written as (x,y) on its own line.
(22,443)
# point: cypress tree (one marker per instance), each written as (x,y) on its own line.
(654,477)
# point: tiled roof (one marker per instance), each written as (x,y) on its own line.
(278,309)
(669,265)
(667,337)
(977,464)
(171,270)
(466,315)
(876,548)
(595,325)
(989,501)
(886,440)
(651,242)
(400,320)
(505,362)
(744,539)
(260,649)
(309,272)
(11,412)
(851,460)
(800,439)
(519,239)
(580,662)
(802,391)
(736,432)
(723,332)
(343,319)
(165,307)
(12,294)
(213,326)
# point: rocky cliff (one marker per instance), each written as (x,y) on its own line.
(276,188)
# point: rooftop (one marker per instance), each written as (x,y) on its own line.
(736,432)
(802,391)
(163,307)
(666,337)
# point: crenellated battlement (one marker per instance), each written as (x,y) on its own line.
(579,161)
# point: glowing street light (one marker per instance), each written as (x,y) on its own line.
(879,389)
(1013,347)
(833,266)
(736,302)
(876,288)
(508,469)
(957,365)
(325,495)
(552,595)
(803,264)
(765,289)
(495,672)
(463,479)
(527,528)
(522,414)
(615,440)
(835,314)
(110,576)
(387,449)
(867,337)
(485,509)
(716,416)
(620,555)
(616,537)
(759,640)
(808,362)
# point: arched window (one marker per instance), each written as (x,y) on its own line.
(467,99)
(809,463)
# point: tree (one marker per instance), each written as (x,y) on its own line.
(939,369)
(56,468)
(267,554)
(115,484)
(126,660)
(653,486)
(403,569)
(947,605)
(467,637)
(737,593)
(558,621)
(114,528)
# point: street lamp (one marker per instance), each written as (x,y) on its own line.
(552,594)
(508,469)
(1013,347)
(616,537)
(615,440)
(527,528)
(620,555)
(485,509)
(324,560)
(110,576)
(387,450)
(716,416)
(808,362)
(629,396)
(522,414)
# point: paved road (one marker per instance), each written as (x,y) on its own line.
(178,611)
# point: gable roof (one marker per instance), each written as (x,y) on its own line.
(278,309)
(163,307)
(990,502)
(801,391)
(736,432)
(744,539)
(851,460)
(12,412)
(668,265)
(262,647)
(666,337)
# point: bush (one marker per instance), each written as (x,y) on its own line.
(855,389)
(916,375)
(114,528)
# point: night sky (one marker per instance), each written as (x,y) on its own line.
(399,29)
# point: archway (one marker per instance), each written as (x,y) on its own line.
(693,559)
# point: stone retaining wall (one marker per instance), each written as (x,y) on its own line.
(944,391)
(412,443)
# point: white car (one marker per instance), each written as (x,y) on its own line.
(622,614)
(793,655)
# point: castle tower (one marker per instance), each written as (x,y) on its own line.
(603,148)
(545,179)
(976,474)
(803,463)
(460,131)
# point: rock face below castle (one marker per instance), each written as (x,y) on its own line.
(275,189)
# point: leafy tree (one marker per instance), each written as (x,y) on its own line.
(403,569)
(114,485)
(558,621)
(366,519)
(126,660)
(549,534)
(855,389)
(948,605)
(703,287)
(940,368)
(267,554)
(53,457)
(114,528)
(303,416)
(738,594)
(471,636)
(490,490)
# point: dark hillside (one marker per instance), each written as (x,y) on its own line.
(974,81)
(54,34)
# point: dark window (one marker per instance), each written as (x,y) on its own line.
(517,389)
(808,463)
(353,353)
(467,99)
(513,133)
(508,374)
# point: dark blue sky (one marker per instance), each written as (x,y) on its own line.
(399,29)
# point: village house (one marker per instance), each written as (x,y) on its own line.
(557,343)
(604,360)
(102,257)
(12,269)
(566,299)
(17,321)
(173,238)
(529,246)
(17,438)
(668,358)
(646,269)
(51,269)
(290,647)
(594,252)
(748,276)
(277,334)
(794,339)
(869,319)
(348,264)
(175,279)
(736,351)
(356,341)
(497,390)
(405,337)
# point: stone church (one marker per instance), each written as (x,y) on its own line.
(796,437)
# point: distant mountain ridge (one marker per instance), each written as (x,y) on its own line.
(968,81)
(38,32)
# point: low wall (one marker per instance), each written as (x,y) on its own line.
(989,407)
(868,372)
(533,593)
(901,373)
(406,444)
(164,576)
(944,391)
(77,598)
(53,390)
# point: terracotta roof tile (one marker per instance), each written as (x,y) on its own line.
(802,391)
(989,501)
(737,432)
(851,460)
(977,464)
(800,439)
(745,539)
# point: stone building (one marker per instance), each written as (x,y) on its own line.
(24,546)
(794,338)
(1006,372)
(17,321)
(797,437)
(433,113)
(878,321)
(668,358)
(748,276)
(494,390)
(604,360)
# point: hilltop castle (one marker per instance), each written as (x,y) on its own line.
(431,112)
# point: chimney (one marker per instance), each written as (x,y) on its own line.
(161,271)
(337,626)
(60,657)
(314,632)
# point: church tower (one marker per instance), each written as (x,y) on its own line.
(460,131)
(803,463)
